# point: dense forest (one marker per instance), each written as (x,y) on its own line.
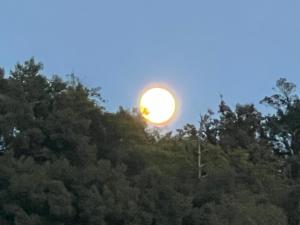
(66,160)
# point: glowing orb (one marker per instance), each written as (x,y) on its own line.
(157,105)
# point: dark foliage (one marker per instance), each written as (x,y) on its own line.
(65,160)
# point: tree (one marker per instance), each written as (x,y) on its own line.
(283,127)
(66,160)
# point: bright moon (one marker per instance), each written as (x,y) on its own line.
(157,105)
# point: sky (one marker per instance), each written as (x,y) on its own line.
(199,49)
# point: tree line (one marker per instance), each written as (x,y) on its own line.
(66,160)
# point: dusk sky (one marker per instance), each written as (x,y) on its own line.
(200,49)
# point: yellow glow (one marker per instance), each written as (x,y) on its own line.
(157,105)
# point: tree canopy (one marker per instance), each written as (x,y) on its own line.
(66,160)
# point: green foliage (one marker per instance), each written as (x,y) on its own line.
(65,160)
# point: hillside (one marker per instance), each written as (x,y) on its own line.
(66,160)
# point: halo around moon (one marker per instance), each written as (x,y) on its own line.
(157,105)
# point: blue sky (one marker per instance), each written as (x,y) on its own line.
(201,49)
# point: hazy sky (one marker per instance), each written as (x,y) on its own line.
(201,49)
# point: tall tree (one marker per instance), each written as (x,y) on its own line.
(283,128)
